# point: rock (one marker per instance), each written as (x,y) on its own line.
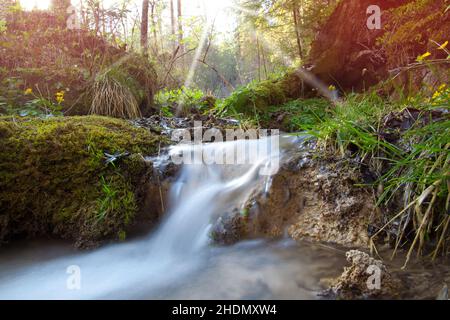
(228,228)
(344,50)
(55,179)
(313,200)
(443,294)
(365,278)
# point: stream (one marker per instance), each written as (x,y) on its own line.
(178,261)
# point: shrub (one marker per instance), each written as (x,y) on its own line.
(183,101)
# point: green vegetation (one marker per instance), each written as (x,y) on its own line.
(55,178)
(38,63)
(183,101)
(120,90)
(404,144)
(413,28)
(258,99)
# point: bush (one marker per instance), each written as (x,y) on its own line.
(38,52)
(183,101)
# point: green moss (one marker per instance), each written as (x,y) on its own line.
(54,178)
(256,97)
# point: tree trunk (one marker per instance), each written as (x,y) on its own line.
(154,26)
(180,26)
(173,22)
(296,14)
(144,27)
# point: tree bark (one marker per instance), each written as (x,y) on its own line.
(154,25)
(173,23)
(180,25)
(296,14)
(144,27)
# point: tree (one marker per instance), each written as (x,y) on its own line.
(297,22)
(180,25)
(59,7)
(153,12)
(144,27)
(172,21)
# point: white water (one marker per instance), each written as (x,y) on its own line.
(176,261)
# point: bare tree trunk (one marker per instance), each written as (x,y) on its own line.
(180,25)
(296,13)
(144,27)
(173,22)
(259,57)
(154,26)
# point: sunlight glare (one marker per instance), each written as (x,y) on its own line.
(32,4)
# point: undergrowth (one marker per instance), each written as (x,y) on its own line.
(406,146)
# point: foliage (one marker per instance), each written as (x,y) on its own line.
(413,29)
(40,54)
(413,172)
(185,99)
(122,88)
(299,115)
(255,98)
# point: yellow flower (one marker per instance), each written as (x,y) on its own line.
(422,57)
(60,97)
(332,88)
(28,91)
(439,91)
(442,47)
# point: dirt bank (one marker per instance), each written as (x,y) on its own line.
(313,199)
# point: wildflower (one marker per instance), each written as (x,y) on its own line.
(60,97)
(440,91)
(443,46)
(422,57)
(332,88)
(28,91)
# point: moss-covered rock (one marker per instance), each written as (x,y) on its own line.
(55,178)
(257,97)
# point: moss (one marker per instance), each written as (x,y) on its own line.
(257,97)
(54,178)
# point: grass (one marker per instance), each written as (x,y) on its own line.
(112,96)
(411,172)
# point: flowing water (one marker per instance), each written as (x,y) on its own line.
(177,261)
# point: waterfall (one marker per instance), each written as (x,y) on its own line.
(161,262)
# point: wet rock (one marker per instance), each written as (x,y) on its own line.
(166,125)
(314,200)
(443,294)
(365,278)
(228,228)
(155,191)
(325,205)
